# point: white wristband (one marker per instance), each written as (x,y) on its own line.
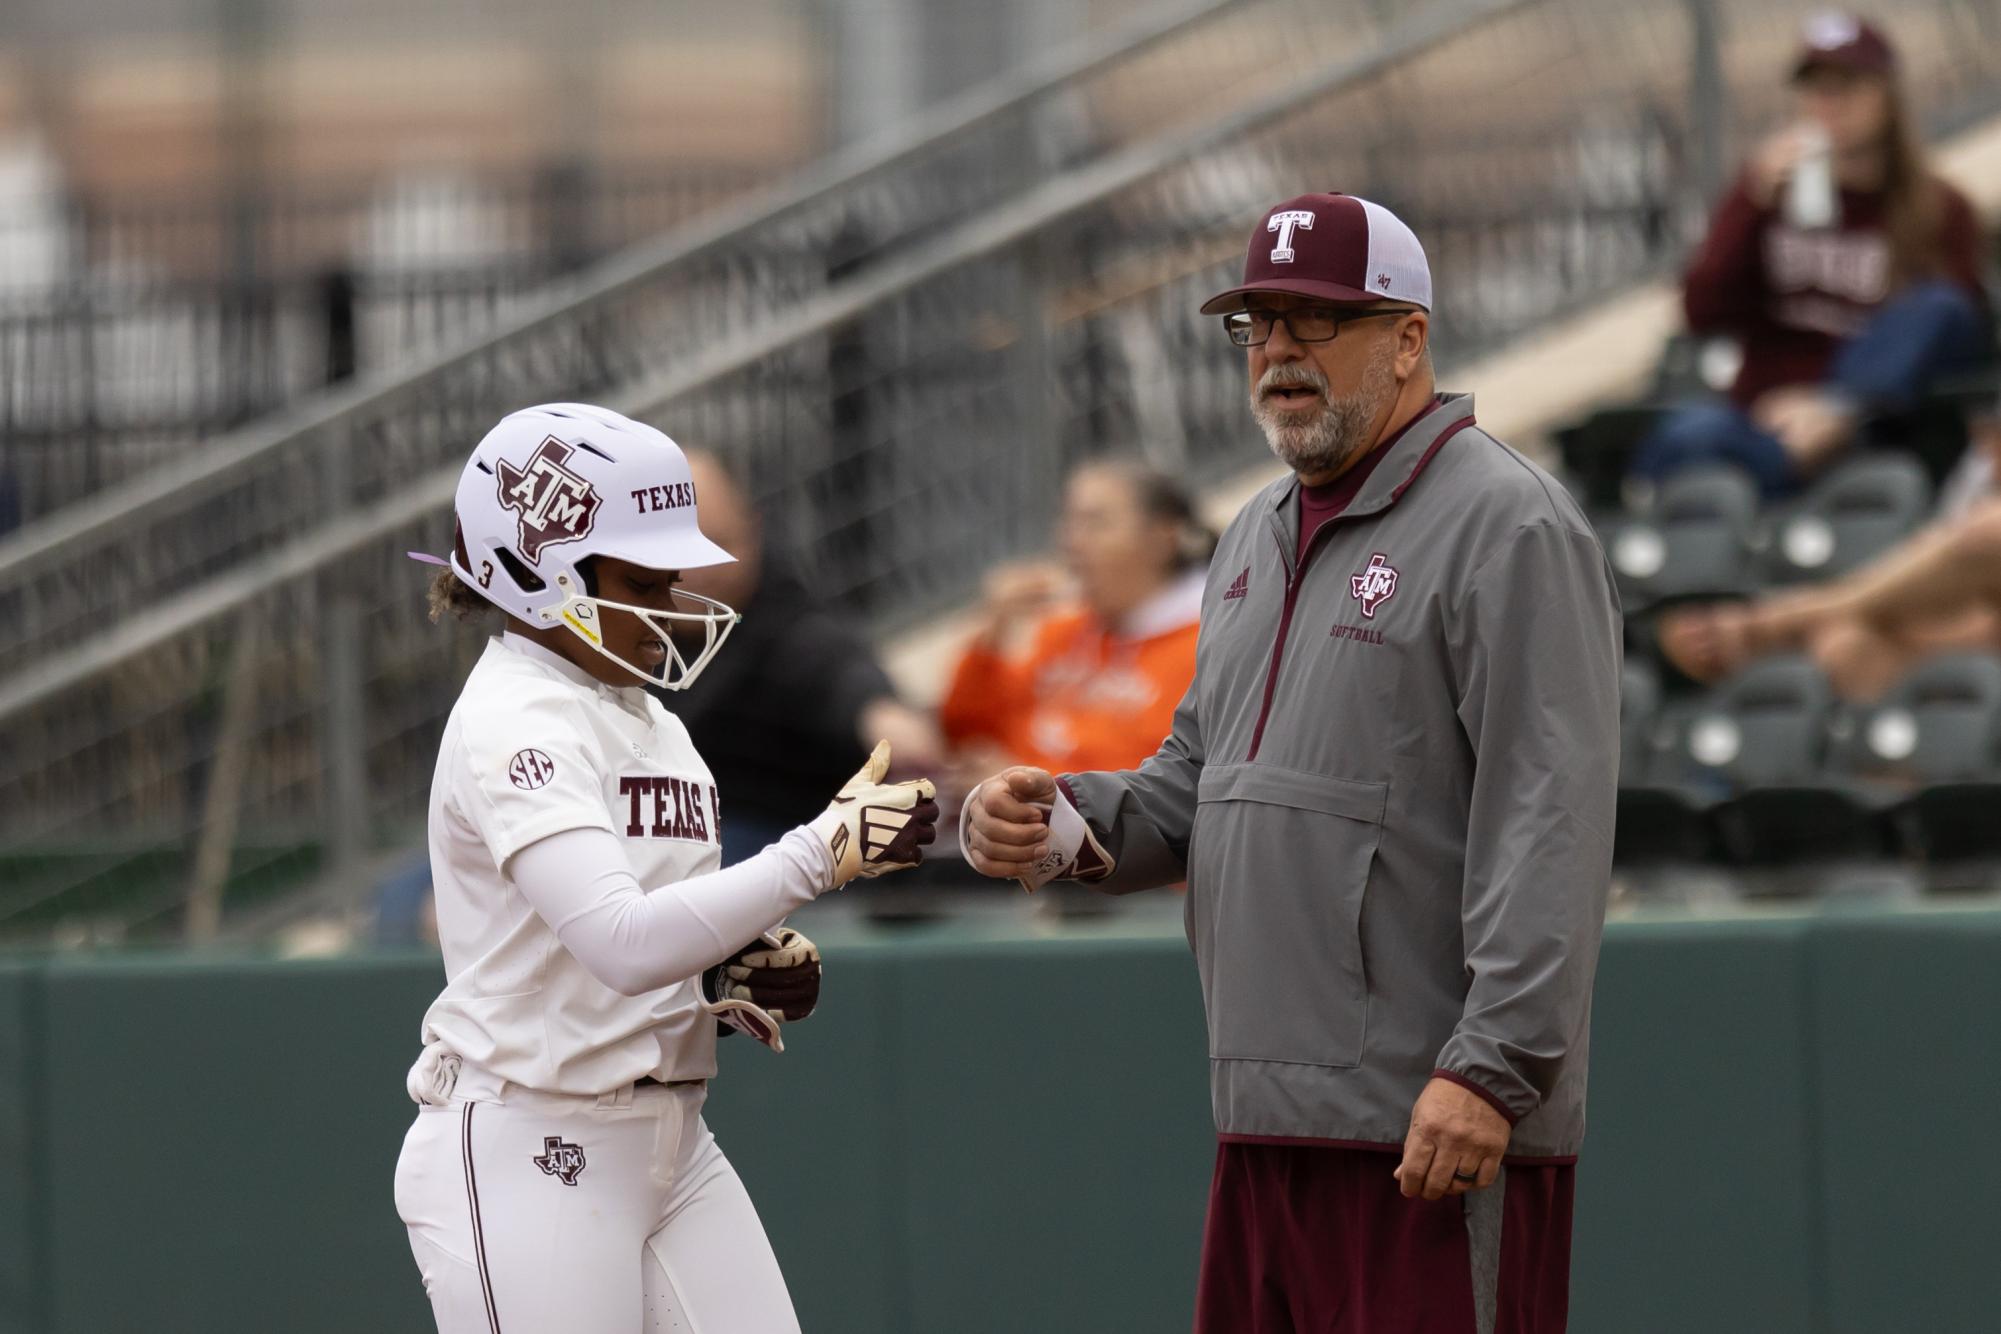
(1067,833)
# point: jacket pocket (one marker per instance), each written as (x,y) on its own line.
(1277,871)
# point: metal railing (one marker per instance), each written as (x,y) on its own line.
(775,245)
(157,338)
(906,418)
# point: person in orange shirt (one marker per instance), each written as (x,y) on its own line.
(1089,681)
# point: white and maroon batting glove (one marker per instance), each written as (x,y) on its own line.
(874,827)
(772,981)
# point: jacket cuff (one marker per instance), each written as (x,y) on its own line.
(1491,1098)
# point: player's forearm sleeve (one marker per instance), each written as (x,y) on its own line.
(1144,817)
(636,940)
(1536,655)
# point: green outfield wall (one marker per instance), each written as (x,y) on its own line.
(1791,1131)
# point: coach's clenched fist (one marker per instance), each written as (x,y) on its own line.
(1005,827)
(1454,1145)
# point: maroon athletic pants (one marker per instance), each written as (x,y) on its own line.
(1316,1239)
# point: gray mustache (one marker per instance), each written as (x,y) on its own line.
(1291,377)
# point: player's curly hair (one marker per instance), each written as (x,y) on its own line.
(451,595)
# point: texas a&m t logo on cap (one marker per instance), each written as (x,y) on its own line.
(1283,222)
(551,503)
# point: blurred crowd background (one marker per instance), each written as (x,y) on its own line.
(919,280)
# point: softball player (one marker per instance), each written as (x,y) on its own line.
(559,1176)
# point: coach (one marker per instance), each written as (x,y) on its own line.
(1390,791)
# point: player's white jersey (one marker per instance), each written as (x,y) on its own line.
(535,746)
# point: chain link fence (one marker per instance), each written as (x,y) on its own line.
(904,366)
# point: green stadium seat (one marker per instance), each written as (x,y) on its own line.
(1849,517)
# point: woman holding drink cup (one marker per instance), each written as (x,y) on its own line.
(1846,270)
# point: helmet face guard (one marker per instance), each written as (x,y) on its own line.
(552,486)
(584,617)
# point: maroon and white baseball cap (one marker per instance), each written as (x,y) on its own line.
(1334,247)
(1842,41)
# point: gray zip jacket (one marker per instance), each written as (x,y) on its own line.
(1390,790)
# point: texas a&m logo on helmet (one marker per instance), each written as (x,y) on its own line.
(1375,585)
(551,503)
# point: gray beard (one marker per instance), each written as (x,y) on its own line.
(1339,430)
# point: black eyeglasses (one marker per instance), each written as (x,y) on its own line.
(1307,324)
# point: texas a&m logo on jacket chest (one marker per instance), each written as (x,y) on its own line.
(1369,588)
(664,806)
(1375,585)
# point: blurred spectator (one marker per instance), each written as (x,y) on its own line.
(405,913)
(1846,269)
(1097,683)
(1938,591)
(797,701)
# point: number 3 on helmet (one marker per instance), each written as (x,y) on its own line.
(553,485)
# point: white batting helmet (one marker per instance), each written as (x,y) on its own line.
(554,484)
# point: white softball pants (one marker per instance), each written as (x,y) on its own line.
(533,1213)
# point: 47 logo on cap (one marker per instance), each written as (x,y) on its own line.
(1283,223)
(552,504)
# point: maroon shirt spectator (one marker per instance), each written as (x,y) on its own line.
(1847,270)
(1791,296)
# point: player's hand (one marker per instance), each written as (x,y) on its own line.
(1452,1130)
(773,980)
(874,827)
(1006,828)
(779,972)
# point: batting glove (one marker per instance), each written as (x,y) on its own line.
(772,981)
(875,827)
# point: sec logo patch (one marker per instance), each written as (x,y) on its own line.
(530,769)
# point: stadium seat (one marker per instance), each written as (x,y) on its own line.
(1934,433)
(1660,818)
(1682,373)
(1852,515)
(1767,731)
(1596,450)
(1937,735)
(1695,540)
(1639,704)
